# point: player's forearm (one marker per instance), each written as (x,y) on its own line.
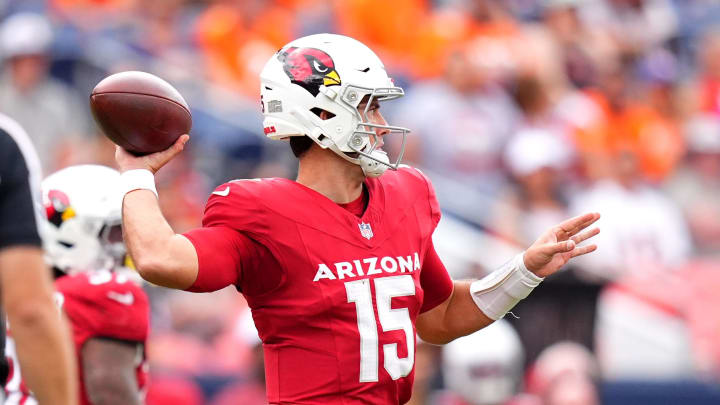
(474,305)
(456,318)
(41,336)
(112,389)
(109,372)
(43,348)
(147,233)
(160,256)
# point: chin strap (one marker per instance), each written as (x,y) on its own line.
(373,168)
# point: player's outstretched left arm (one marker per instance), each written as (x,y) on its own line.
(109,371)
(476,304)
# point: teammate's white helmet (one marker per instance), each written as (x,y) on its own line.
(333,73)
(81,228)
(485,368)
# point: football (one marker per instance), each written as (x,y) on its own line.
(140,112)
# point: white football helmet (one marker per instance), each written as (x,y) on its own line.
(486,367)
(81,229)
(333,73)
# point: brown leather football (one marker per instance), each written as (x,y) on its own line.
(140,112)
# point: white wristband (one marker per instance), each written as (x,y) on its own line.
(138,179)
(498,292)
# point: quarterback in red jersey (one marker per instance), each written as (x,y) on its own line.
(108,311)
(337,266)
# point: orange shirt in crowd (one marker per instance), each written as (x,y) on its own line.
(389,28)
(408,35)
(636,128)
(237,44)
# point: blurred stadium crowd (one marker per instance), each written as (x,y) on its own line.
(523,112)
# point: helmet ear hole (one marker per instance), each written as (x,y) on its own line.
(322,114)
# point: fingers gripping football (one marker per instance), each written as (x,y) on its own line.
(560,244)
(154,161)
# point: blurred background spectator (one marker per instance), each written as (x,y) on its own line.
(523,112)
(565,373)
(695,185)
(28,91)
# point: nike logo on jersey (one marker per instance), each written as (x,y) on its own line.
(368,267)
(125,299)
(223,193)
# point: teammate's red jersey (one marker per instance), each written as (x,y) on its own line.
(98,305)
(334,295)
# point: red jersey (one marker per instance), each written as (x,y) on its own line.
(334,295)
(98,305)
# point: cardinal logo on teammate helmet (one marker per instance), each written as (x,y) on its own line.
(309,68)
(58,207)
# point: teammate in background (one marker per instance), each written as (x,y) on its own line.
(338,266)
(107,309)
(43,344)
(485,368)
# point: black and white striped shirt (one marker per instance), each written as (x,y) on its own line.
(19,199)
(19,186)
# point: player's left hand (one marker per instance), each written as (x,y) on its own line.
(560,244)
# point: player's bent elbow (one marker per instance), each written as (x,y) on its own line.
(434,334)
(163,271)
(152,268)
(436,339)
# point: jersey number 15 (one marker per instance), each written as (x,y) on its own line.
(390,319)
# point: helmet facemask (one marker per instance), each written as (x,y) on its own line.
(84,244)
(364,139)
(112,243)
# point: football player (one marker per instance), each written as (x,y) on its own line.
(43,344)
(338,266)
(107,309)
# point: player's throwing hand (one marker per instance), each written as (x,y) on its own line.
(559,244)
(153,162)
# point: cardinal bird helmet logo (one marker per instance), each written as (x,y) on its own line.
(58,207)
(309,68)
